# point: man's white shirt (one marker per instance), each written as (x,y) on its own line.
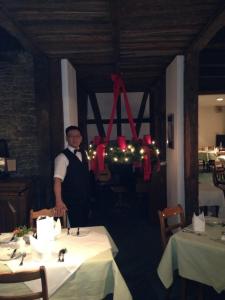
(62,162)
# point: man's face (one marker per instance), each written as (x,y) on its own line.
(74,138)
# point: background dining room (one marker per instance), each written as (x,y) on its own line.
(144,81)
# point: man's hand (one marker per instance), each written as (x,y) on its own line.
(60,208)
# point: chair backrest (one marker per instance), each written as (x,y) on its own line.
(47,212)
(166,228)
(22,277)
(218,176)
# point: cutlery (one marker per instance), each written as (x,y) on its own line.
(13,253)
(78,230)
(13,237)
(23,256)
(61,254)
(35,235)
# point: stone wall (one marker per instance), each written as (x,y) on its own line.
(18,118)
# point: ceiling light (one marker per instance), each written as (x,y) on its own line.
(219,99)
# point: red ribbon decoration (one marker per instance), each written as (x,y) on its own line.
(147,166)
(94,161)
(122,142)
(100,157)
(147,139)
(117,87)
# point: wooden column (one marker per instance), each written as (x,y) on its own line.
(158,116)
(157,188)
(191,76)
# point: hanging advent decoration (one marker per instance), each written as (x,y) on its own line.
(142,153)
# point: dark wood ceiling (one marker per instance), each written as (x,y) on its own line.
(137,38)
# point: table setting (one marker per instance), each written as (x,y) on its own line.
(197,252)
(66,253)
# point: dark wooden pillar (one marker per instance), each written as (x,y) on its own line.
(158,116)
(191,77)
(157,189)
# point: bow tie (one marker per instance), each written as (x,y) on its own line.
(76,150)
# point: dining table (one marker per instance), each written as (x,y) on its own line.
(207,155)
(88,270)
(198,256)
(211,195)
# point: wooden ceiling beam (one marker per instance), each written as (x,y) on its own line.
(115,19)
(209,31)
(39,6)
(14,29)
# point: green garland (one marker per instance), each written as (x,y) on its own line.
(134,152)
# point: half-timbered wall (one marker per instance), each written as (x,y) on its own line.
(105,102)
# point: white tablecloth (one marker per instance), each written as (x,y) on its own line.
(196,257)
(79,249)
(210,195)
(93,279)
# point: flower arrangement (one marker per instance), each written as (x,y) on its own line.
(21,231)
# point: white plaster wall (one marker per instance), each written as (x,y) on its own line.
(175,157)
(211,122)
(69,94)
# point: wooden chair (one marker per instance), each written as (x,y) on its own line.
(22,277)
(168,229)
(219,178)
(47,212)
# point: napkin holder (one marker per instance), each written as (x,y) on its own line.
(198,222)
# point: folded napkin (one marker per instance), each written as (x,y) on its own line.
(198,222)
(45,228)
(57,227)
(42,247)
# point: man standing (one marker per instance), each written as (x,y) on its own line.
(71,180)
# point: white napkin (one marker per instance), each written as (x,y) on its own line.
(57,227)
(43,247)
(198,222)
(45,228)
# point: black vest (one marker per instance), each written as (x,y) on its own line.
(75,186)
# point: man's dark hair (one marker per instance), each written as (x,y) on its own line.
(68,129)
